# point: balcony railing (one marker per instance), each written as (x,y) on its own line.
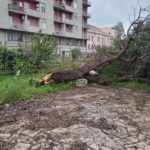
(14,7)
(58,18)
(33,28)
(86,15)
(87,3)
(85,26)
(63,6)
(69,21)
(17,26)
(32,12)
(58,32)
(59,5)
(85,36)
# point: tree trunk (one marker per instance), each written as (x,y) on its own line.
(70,75)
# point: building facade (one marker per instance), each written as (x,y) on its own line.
(65,19)
(100,37)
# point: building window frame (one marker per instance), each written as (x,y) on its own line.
(43,23)
(43,8)
(14,36)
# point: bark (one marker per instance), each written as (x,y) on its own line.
(65,76)
(97,80)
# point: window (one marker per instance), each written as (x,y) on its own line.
(43,23)
(75,42)
(43,8)
(92,46)
(9,1)
(12,36)
(88,46)
(89,37)
(58,40)
(98,39)
(75,29)
(75,5)
(75,16)
(65,53)
(66,41)
(26,6)
(10,20)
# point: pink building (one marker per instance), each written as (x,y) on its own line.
(102,37)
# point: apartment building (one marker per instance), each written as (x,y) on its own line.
(100,37)
(65,19)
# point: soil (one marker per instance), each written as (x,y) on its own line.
(95,107)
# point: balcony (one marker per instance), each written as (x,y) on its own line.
(86,15)
(59,33)
(69,34)
(59,5)
(35,0)
(58,19)
(33,28)
(87,3)
(17,26)
(15,8)
(85,26)
(69,21)
(85,36)
(63,6)
(33,13)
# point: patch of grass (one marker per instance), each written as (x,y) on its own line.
(143,86)
(18,88)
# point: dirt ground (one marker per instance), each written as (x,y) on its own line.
(87,118)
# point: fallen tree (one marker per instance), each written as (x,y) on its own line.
(135,28)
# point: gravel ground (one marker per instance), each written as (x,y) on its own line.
(87,118)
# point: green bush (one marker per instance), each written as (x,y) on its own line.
(34,55)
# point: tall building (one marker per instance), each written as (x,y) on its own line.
(66,19)
(100,37)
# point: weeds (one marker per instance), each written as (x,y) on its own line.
(18,88)
(132,84)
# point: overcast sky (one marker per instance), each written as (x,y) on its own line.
(106,13)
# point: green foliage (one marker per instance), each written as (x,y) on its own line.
(8,60)
(76,54)
(40,50)
(18,88)
(34,55)
(101,51)
(110,70)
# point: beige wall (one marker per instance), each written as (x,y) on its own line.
(2,35)
(5,26)
(97,38)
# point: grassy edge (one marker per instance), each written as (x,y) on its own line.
(132,84)
(18,88)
